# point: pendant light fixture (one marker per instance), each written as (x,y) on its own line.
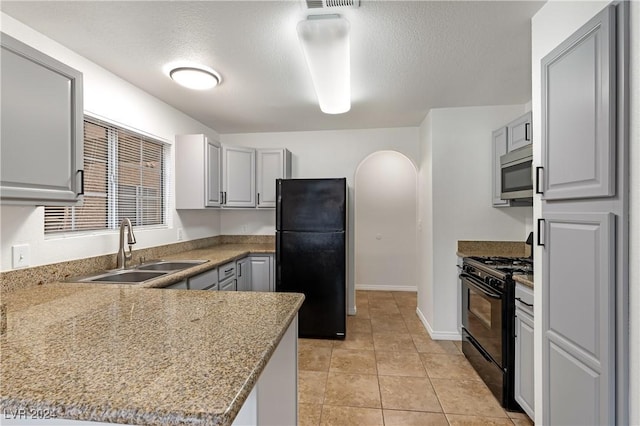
(325,42)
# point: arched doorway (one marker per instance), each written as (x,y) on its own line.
(386,223)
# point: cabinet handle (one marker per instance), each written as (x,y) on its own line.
(527,137)
(221,197)
(538,170)
(226,271)
(239,269)
(258,198)
(524,303)
(81,171)
(225,197)
(540,232)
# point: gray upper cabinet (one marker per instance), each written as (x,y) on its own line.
(238,176)
(499,148)
(578,113)
(197,172)
(272,164)
(42,128)
(519,132)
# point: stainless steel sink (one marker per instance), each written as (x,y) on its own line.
(170,265)
(126,276)
(140,274)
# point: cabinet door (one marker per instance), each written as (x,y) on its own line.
(42,128)
(519,132)
(229,285)
(204,280)
(262,273)
(578,113)
(239,176)
(499,146)
(213,174)
(524,370)
(578,324)
(244,274)
(271,166)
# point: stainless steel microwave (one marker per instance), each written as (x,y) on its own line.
(516,174)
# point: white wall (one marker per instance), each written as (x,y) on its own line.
(386,223)
(320,154)
(115,100)
(455,204)
(553,23)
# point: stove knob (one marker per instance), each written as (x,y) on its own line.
(467,268)
(495,283)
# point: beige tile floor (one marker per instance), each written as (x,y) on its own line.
(388,371)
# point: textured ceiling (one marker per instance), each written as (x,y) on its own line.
(406,57)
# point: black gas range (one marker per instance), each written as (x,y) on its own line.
(488,309)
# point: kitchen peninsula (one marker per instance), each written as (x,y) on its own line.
(121,354)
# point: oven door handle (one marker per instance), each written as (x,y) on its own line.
(479,348)
(472,281)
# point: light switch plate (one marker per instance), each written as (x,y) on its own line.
(21,256)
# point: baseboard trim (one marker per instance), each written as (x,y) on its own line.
(386,287)
(437,335)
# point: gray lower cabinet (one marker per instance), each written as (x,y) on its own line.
(524,357)
(181,285)
(41,157)
(584,225)
(229,284)
(578,323)
(499,148)
(519,132)
(207,280)
(262,278)
(243,274)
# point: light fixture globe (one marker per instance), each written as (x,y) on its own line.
(195,78)
(325,42)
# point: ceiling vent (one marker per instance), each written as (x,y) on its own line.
(317,5)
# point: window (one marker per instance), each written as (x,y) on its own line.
(124,177)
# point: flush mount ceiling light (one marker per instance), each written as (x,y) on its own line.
(195,78)
(325,42)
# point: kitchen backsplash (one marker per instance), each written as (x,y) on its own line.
(43,274)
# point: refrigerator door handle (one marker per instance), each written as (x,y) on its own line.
(278,207)
(278,270)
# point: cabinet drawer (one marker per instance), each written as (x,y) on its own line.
(228,285)
(524,298)
(204,280)
(227,270)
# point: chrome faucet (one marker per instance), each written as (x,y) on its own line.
(131,240)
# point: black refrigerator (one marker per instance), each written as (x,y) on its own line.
(311,219)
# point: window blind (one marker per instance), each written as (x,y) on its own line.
(125,177)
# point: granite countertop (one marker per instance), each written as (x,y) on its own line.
(125,354)
(526,279)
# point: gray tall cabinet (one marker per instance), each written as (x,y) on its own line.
(584,226)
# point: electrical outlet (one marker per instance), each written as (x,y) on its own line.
(21,256)
(179,234)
